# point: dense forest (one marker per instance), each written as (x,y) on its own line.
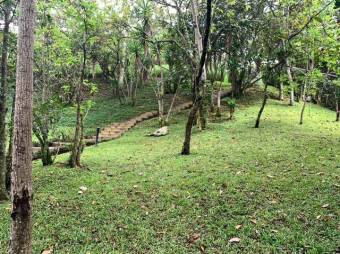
(233,104)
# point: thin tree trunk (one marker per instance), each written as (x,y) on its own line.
(160,91)
(302,111)
(21,190)
(212,100)
(77,148)
(304,104)
(122,67)
(171,106)
(93,69)
(3,101)
(303,94)
(281,96)
(231,113)
(80,145)
(147,33)
(291,85)
(201,121)
(10,148)
(218,112)
(198,36)
(337,108)
(265,98)
(198,100)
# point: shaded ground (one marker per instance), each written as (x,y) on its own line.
(280,182)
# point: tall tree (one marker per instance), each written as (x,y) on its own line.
(197,86)
(21,190)
(6,9)
(84,16)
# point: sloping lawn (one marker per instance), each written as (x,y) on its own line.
(275,188)
(107,110)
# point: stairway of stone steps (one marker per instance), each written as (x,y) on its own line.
(113,131)
(116,130)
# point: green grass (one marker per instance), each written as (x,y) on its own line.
(143,197)
(106,111)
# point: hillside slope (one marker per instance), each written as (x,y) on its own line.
(276,188)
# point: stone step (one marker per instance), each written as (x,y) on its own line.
(111,132)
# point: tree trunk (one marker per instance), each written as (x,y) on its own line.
(160,91)
(231,112)
(93,69)
(10,148)
(303,95)
(281,96)
(77,141)
(218,112)
(147,33)
(198,100)
(302,111)
(212,100)
(170,108)
(46,157)
(201,121)
(3,101)
(236,79)
(198,36)
(21,190)
(188,128)
(337,108)
(77,147)
(291,85)
(265,98)
(122,67)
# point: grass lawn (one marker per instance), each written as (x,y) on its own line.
(276,188)
(107,110)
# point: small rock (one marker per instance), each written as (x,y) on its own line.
(160,132)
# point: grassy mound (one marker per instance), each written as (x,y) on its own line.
(275,188)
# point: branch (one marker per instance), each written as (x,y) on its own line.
(205,43)
(309,21)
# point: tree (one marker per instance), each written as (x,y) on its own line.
(7,9)
(84,17)
(21,190)
(47,106)
(197,86)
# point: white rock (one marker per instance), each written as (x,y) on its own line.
(161,132)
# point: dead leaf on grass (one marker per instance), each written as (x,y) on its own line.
(235,240)
(48,251)
(238,226)
(253,221)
